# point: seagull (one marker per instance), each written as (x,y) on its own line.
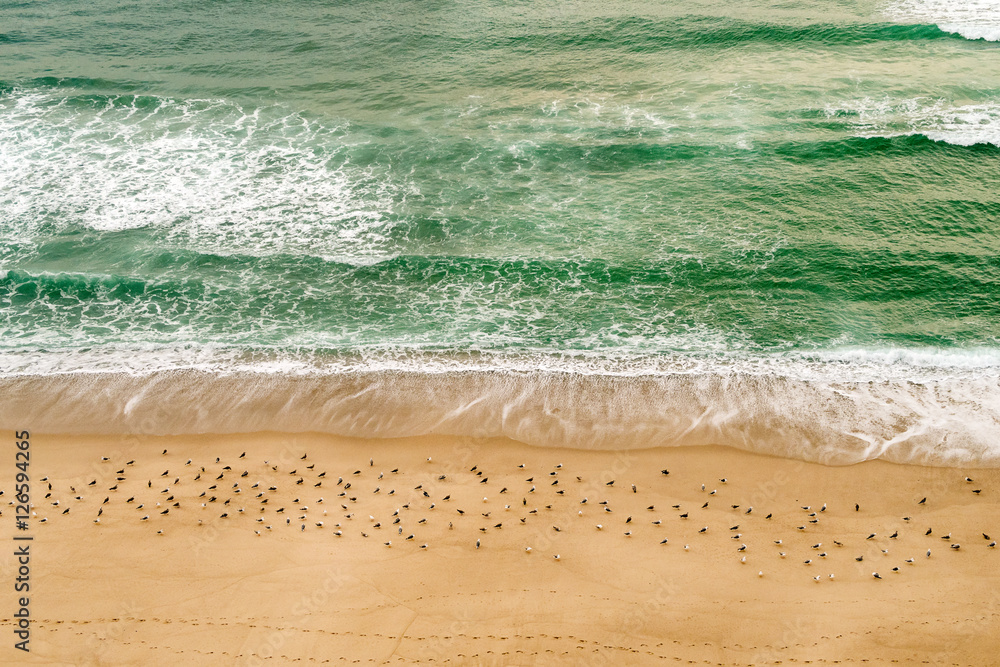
(876,575)
(556,556)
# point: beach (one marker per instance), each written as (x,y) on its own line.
(210,590)
(500,333)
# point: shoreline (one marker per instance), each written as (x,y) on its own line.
(949,422)
(216,592)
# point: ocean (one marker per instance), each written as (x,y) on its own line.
(768,225)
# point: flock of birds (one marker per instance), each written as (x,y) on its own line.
(231,491)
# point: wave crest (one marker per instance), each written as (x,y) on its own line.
(971,19)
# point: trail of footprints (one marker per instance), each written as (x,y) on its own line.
(559,641)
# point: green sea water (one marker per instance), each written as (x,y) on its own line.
(799,192)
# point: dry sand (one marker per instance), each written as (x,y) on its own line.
(209,590)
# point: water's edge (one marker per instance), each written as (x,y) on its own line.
(937,423)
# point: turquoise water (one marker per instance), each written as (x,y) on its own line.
(717,208)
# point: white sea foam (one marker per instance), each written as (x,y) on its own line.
(972,19)
(964,125)
(844,364)
(207,175)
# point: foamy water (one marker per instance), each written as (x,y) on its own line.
(972,19)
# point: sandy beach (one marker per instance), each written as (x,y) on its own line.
(189,565)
